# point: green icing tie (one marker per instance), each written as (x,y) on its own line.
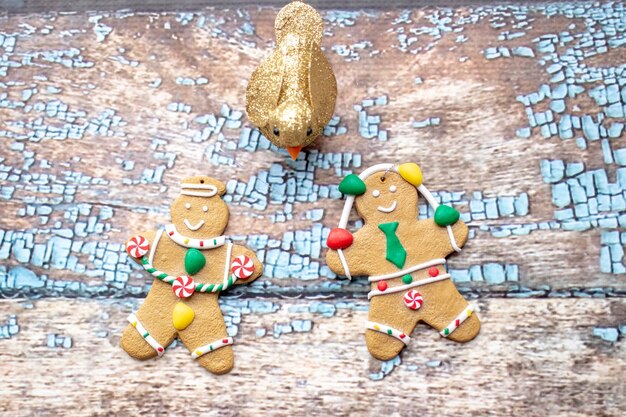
(194,261)
(395,251)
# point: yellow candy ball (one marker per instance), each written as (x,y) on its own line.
(411,172)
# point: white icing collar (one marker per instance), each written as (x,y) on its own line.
(189,242)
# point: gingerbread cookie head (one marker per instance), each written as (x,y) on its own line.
(199,210)
(387,197)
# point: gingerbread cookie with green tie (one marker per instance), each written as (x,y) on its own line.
(403,257)
(192,263)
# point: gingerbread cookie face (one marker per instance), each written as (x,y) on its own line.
(403,258)
(387,196)
(192,263)
(199,209)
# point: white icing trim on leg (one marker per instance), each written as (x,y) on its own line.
(390,331)
(424,265)
(391,290)
(134,321)
(225,341)
(454,324)
(344,263)
(453,240)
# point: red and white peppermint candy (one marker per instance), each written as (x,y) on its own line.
(183,286)
(413,299)
(242,267)
(137,246)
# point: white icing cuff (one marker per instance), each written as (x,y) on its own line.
(454,324)
(226,341)
(132,319)
(401,336)
(391,290)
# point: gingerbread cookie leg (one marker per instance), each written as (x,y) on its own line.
(390,324)
(206,336)
(449,313)
(147,334)
(460,326)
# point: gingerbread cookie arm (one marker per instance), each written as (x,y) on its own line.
(351,254)
(460,232)
(244,264)
(138,245)
(444,240)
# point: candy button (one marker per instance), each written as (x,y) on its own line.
(446,215)
(352,185)
(194,261)
(407,279)
(242,267)
(137,246)
(382,285)
(412,173)
(433,271)
(413,299)
(339,238)
(183,286)
(182,316)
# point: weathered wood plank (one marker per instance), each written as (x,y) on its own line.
(136,91)
(532,358)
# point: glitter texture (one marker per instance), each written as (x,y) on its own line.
(291,95)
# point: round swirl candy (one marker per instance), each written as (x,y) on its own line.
(137,246)
(242,267)
(183,286)
(413,299)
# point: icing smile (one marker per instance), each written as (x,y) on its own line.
(197,225)
(389,209)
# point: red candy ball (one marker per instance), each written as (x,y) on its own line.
(382,285)
(433,271)
(339,239)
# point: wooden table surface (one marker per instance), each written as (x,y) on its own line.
(515,114)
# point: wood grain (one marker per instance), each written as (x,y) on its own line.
(532,358)
(476,100)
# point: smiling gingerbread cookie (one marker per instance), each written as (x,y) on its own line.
(403,257)
(191,263)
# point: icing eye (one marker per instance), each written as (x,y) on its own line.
(205,208)
(375,193)
(393,188)
(276,132)
(309,132)
(187,206)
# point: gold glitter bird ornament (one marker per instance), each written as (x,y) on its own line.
(291,95)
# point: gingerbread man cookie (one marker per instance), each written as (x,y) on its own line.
(192,263)
(403,257)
